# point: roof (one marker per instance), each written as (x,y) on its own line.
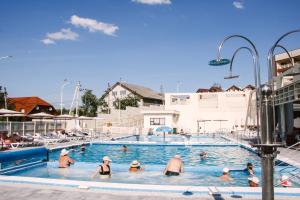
(201,90)
(27,103)
(251,87)
(234,88)
(215,89)
(141,91)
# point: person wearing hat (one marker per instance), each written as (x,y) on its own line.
(64,159)
(284,181)
(174,166)
(253,181)
(135,166)
(104,169)
(225,176)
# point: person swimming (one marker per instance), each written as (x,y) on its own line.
(174,166)
(83,147)
(284,181)
(249,169)
(124,148)
(226,175)
(135,166)
(104,169)
(253,181)
(64,160)
(203,155)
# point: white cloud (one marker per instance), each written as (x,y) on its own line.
(238,4)
(63,34)
(153,2)
(93,25)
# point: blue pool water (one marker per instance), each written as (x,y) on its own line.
(177,138)
(154,158)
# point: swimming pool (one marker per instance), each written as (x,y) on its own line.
(154,158)
(201,139)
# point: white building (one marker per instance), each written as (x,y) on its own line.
(205,111)
(119,90)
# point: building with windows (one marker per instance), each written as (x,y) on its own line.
(204,111)
(31,105)
(287,98)
(119,90)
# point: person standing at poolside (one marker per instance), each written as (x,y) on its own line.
(174,166)
(64,160)
(225,176)
(104,169)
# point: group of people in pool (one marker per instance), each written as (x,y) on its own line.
(174,167)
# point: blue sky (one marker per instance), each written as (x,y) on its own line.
(97,42)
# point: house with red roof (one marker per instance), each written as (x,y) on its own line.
(31,105)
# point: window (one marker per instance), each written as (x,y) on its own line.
(157,121)
(115,93)
(180,99)
(123,92)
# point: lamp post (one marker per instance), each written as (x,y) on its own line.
(61,95)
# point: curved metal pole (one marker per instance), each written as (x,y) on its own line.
(254,48)
(288,53)
(255,79)
(256,75)
(272,68)
(253,57)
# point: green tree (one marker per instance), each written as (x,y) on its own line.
(103,105)
(127,101)
(89,104)
(3,94)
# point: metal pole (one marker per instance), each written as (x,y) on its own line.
(256,70)
(61,95)
(268,149)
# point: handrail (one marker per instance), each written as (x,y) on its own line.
(296,150)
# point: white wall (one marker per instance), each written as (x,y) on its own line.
(231,106)
(170,120)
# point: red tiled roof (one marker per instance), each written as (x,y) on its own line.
(28,103)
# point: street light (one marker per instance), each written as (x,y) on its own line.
(61,95)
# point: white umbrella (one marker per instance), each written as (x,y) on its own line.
(13,115)
(65,116)
(8,112)
(85,118)
(41,115)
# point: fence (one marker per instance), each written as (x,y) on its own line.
(32,127)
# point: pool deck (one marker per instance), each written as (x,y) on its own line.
(15,191)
